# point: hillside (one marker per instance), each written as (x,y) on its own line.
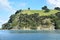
(41,12)
(33,19)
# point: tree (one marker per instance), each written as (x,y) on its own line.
(18,11)
(12,17)
(28,8)
(57,8)
(45,8)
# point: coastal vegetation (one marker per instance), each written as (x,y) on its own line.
(34,19)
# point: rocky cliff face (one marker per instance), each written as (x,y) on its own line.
(22,20)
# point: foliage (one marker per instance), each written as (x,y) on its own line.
(58,14)
(57,8)
(12,17)
(45,8)
(28,8)
(6,26)
(29,20)
(57,24)
(18,11)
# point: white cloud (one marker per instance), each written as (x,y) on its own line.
(55,3)
(6,5)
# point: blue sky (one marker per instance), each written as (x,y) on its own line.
(8,7)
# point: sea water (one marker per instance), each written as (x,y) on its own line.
(29,35)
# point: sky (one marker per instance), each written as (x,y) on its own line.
(9,7)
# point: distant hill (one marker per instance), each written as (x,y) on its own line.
(33,20)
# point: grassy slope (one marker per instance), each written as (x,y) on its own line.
(41,12)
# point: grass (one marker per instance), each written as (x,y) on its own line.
(41,12)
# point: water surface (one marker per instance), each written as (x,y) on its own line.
(29,35)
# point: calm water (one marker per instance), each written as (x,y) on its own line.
(29,35)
